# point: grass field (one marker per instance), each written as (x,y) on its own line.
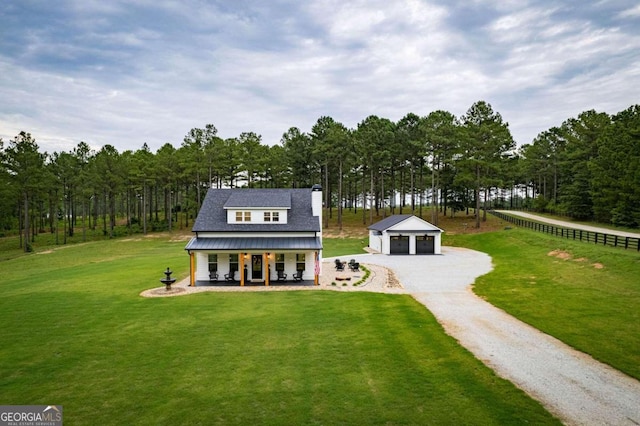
(76,333)
(585,295)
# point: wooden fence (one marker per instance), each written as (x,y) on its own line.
(570,233)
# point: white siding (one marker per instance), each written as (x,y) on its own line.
(202,265)
(375,241)
(257,216)
(255,235)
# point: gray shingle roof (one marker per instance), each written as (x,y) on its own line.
(213,216)
(388,222)
(391,221)
(265,198)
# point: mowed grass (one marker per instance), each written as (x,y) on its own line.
(77,333)
(344,246)
(584,294)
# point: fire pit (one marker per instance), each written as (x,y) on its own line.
(167,281)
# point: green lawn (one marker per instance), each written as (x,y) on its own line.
(343,246)
(76,333)
(584,294)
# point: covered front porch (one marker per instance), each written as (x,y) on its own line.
(254,261)
(248,284)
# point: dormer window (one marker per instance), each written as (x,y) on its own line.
(272,216)
(243,216)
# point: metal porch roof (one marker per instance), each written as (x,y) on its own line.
(248,244)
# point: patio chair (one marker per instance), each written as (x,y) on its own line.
(230,276)
(339,266)
(355,267)
(298,276)
(282,276)
(213,275)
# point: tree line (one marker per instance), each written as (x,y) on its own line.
(587,168)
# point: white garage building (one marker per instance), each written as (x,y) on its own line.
(405,234)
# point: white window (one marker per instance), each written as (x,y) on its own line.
(213,263)
(300,261)
(271,216)
(233,263)
(243,216)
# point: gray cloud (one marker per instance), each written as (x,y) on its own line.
(126,73)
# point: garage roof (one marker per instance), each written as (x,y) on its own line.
(392,221)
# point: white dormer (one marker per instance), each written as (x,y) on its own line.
(242,208)
(271,216)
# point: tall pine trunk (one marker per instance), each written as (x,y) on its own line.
(26,221)
(477,195)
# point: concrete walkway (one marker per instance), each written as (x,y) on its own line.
(573,386)
(572,225)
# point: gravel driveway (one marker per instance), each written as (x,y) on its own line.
(576,388)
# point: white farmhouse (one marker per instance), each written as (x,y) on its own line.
(257,236)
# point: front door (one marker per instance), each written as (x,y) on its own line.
(256,267)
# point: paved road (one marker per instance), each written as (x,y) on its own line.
(572,225)
(570,384)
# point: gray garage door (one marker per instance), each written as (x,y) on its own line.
(425,244)
(399,245)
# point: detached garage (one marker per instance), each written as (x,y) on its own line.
(405,234)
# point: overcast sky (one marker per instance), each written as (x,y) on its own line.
(129,72)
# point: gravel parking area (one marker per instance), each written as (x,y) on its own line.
(573,386)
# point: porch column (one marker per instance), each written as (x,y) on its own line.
(242,269)
(192,269)
(265,256)
(316,268)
